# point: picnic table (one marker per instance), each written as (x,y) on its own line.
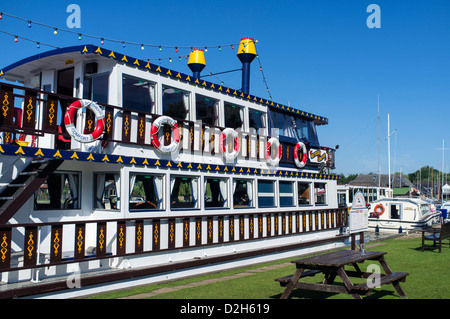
(332,265)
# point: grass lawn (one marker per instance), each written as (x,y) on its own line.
(429,278)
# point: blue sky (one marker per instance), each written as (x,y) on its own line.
(317,55)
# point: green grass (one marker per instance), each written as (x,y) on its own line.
(429,278)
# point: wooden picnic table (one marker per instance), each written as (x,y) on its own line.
(332,265)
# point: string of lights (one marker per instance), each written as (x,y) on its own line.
(160,47)
(124,43)
(38,44)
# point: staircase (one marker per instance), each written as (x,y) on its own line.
(15,194)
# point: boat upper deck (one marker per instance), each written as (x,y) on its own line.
(133,93)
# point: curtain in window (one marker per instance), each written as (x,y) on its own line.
(250,193)
(118,191)
(194,189)
(73,187)
(100,189)
(132,182)
(224,191)
(186,105)
(158,187)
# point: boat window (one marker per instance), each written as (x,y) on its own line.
(266,193)
(243,193)
(280,124)
(183,192)
(146,191)
(320,193)
(234,116)
(207,110)
(304,193)
(106,191)
(138,94)
(61,191)
(286,194)
(306,130)
(175,103)
(257,121)
(216,192)
(95,87)
(395,211)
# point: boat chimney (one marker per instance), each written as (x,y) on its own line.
(246,53)
(196,62)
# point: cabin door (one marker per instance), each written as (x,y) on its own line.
(395,210)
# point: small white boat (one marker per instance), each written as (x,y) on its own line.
(395,214)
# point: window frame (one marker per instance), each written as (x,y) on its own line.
(293,193)
(197,204)
(78,198)
(227,201)
(299,197)
(274,184)
(95,179)
(160,199)
(188,99)
(251,200)
(155,88)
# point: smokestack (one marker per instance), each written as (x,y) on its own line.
(196,62)
(246,53)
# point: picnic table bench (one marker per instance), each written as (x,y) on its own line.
(436,234)
(333,265)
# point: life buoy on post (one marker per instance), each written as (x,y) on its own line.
(300,162)
(175,134)
(70,127)
(223,143)
(273,141)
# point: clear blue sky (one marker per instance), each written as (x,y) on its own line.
(319,56)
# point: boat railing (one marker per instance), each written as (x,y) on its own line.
(46,244)
(31,115)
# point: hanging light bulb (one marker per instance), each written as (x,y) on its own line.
(1,15)
(123,45)
(160,49)
(79,36)
(56,31)
(38,45)
(16,38)
(179,58)
(220,49)
(176,49)
(206,49)
(170,59)
(29,24)
(102,42)
(142,47)
(232,47)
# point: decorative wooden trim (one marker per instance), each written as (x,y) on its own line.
(121,237)
(51,113)
(171,233)
(6,105)
(29,110)
(210,227)
(139,236)
(5,248)
(30,246)
(220,221)
(156,235)
(186,232)
(198,231)
(80,240)
(56,243)
(231,228)
(101,239)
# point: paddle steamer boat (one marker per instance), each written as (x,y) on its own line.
(119,168)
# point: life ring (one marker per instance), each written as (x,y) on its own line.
(379,209)
(273,141)
(300,162)
(70,127)
(223,143)
(175,134)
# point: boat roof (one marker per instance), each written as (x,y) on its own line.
(33,64)
(416,201)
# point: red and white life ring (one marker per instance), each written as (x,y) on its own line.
(300,162)
(175,134)
(223,143)
(273,141)
(379,209)
(70,127)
